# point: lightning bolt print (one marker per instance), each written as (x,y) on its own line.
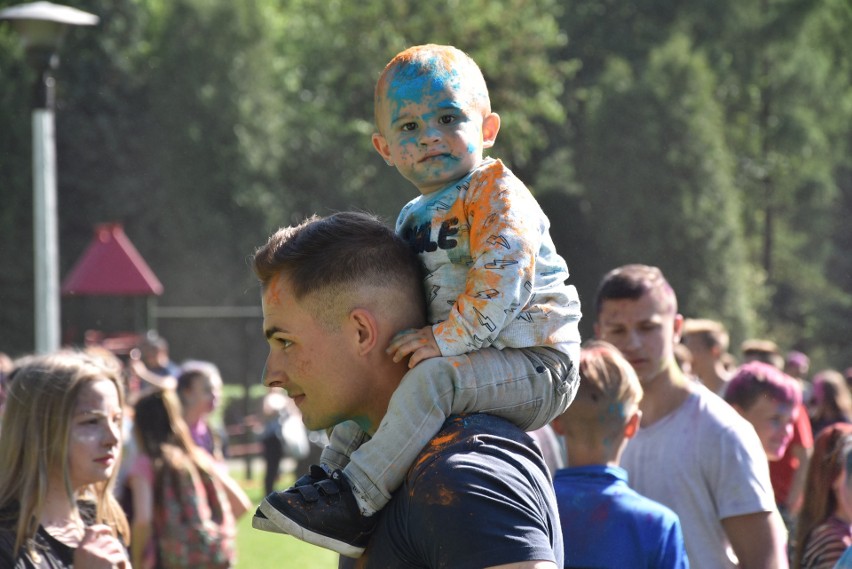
(433,294)
(498,241)
(485,321)
(488,293)
(500,264)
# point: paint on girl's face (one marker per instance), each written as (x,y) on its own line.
(94,444)
(432,126)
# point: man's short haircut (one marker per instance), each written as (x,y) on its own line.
(755,380)
(434,62)
(631,282)
(336,254)
(609,391)
(710,332)
(757,349)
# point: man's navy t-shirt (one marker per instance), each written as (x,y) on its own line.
(478,495)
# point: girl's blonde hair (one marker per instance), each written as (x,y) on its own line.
(41,400)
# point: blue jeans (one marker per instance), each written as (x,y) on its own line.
(527,386)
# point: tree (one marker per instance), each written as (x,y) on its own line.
(656,164)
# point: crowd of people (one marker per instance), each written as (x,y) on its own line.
(469,427)
(111,462)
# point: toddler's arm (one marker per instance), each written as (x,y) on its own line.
(419,344)
(506,230)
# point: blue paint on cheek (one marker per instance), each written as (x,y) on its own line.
(471,148)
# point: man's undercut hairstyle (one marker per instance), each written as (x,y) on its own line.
(755,380)
(710,332)
(340,252)
(437,64)
(631,282)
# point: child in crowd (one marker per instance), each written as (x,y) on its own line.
(184,506)
(503,335)
(768,399)
(605,523)
(60,450)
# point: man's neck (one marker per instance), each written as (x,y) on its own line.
(716,378)
(664,394)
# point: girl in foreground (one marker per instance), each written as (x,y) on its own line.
(60,449)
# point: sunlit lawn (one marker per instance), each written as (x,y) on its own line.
(263,550)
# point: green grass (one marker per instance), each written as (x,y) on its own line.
(264,550)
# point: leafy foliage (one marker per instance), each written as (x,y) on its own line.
(709,138)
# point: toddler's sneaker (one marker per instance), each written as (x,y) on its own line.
(261,522)
(324,513)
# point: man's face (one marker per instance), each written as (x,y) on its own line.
(312,362)
(432,131)
(643,329)
(702,355)
(773,422)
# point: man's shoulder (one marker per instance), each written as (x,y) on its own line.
(478,495)
(473,437)
(703,408)
(702,419)
(717,415)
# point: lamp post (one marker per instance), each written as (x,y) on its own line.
(41,27)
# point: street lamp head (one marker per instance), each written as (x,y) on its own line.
(41,27)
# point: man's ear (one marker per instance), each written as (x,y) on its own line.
(632,425)
(365,330)
(381,145)
(678,327)
(490,128)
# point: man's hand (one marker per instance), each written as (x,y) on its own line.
(419,344)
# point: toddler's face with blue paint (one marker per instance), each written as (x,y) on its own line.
(433,129)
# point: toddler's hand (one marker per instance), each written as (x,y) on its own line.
(419,344)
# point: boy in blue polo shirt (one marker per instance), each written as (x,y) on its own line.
(605,523)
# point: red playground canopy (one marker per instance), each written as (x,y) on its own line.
(111,266)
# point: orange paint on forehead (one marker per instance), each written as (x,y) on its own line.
(272,294)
